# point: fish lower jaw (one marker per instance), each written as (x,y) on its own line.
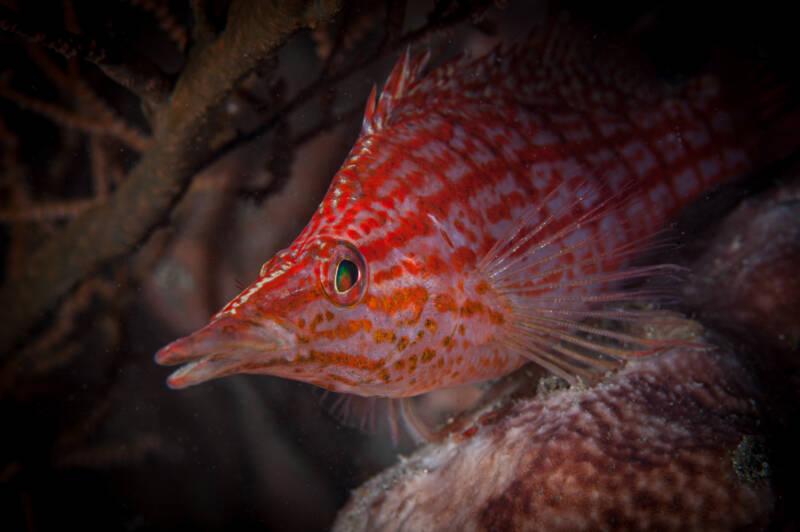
(177,379)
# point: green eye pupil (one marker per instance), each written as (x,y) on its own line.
(346,276)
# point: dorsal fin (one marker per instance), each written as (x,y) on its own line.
(560,62)
(588,69)
(405,73)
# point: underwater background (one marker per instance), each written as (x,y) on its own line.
(91,434)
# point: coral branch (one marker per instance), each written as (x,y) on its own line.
(133,72)
(65,43)
(106,123)
(254,30)
(161,13)
(324,83)
(141,77)
(202,32)
(93,105)
(46,211)
(100,166)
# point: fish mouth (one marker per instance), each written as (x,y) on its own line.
(225,346)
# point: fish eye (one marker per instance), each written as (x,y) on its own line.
(346,276)
(343,274)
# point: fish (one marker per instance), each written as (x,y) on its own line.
(492,212)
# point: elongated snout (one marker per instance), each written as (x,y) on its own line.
(225,346)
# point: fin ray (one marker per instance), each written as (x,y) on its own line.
(578,306)
(373,415)
(404,76)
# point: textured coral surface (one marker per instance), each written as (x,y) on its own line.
(690,439)
(658,446)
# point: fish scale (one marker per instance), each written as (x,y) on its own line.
(487,215)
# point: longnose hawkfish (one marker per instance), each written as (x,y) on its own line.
(489,215)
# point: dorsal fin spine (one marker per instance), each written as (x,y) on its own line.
(404,74)
(368,123)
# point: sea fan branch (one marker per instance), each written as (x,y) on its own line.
(133,72)
(253,32)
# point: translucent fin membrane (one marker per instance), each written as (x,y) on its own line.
(577,309)
(376,415)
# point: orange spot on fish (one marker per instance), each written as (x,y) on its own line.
(338,358)
(387,275)
(435,265)
(461,228)
(412,296)
(463,259)
(374,303)
(411,267)
(316,321)
(444,303)
(496,317)
(339,378)
(471,307)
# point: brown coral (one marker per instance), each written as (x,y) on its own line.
(651,447)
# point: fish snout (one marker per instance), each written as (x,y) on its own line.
(225,346)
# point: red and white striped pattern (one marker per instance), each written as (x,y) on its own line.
(495,202)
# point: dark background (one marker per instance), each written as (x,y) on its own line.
(90,434)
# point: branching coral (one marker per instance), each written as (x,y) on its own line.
(180,147)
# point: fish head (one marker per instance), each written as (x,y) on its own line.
(274,325)
(323,312)
(373,298)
